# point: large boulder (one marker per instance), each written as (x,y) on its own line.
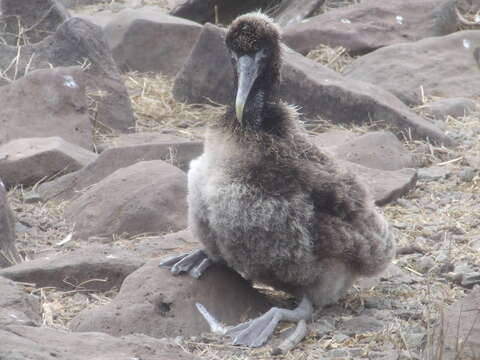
(456,107)
(26,342)
(46,103)
(17,307)
(207,75)
(8,252)
(27,161)
(147,197)
(94,268)
(148,40)
(373,24)
(441,66)
(154,302)
(291,12)
(126,150)
(79,42)
(31,21)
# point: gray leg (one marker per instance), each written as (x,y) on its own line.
(195,263)
(256,332)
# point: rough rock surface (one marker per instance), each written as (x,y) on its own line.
(29,160)
(154,302)
(319,91)
(95,268)
(158,246)
(8,251)
(462,326)
(456,107)
(40,17)
(444,66)
(17,307)
(147,197)
(378,150)
(26,342)
(79,42)
(127,150)
(46,103)
(333,138)
(373,24)
(148,40)
(385,186)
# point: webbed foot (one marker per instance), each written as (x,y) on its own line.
(194,263)
(256,332)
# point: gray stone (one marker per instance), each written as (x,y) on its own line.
(361,324)
(331,139)
(26,342)
(94,268)
(30,160)
(433,173)
(8,252)
(79,42)
(17,307)
(467,174)
(158,246)
(37,19)
(444,66)
(126,150)
(154,302)
(146,40)
(292,12)
(147,197)
(46,103)
(393,274)
(385,186)
(207,75)
(373,24)
(425,264)
(456,107)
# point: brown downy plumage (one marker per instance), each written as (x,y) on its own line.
(268,203)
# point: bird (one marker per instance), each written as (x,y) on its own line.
(266,202)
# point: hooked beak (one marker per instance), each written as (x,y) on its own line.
(247,70)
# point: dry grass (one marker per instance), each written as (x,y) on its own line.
(156,109)
(335,58)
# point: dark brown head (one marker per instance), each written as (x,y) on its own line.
(254,43)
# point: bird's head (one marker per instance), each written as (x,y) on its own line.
(254,44)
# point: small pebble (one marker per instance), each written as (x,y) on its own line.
(466,174)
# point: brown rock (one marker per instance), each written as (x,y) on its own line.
(8,252)
(46,103)
(147,197)
(148,40)
(78,42)
(373,24)
(208,74)
(37,19)
(444,66)
(30,160)
(26,342)
(378,150)
(460,331)
(385,186)
(154,302)
(128,150)
(17,307)
(95,268)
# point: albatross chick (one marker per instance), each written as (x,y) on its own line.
(266,202)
